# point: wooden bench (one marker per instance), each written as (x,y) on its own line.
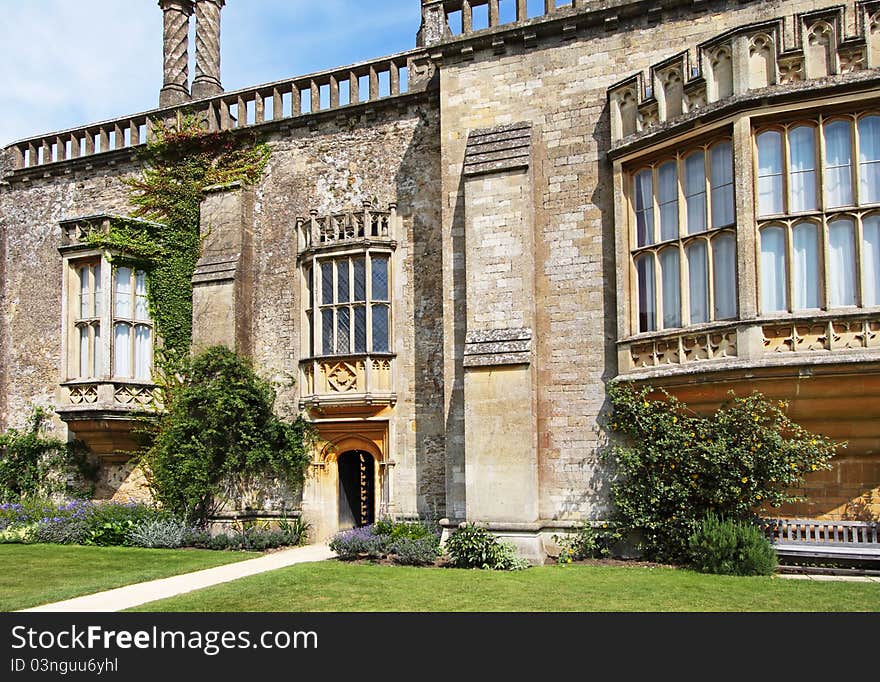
(844,542)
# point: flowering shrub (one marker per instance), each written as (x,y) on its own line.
(407,543)
(674,466)
(360,542)
(587,542)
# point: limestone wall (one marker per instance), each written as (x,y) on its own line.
(559,83)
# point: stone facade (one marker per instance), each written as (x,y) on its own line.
(495,180)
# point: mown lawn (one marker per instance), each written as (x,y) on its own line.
(32,575)
(337,586)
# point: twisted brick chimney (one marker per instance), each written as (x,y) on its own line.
(207,80)
(175,86)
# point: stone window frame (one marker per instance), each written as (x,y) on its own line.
(821,217)
(106,321)
(314,306)
(709,236)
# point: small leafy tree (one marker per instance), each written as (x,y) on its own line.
(219,436)
(674,466)
(33,464)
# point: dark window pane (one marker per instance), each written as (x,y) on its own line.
(380,279)
(380,329)
(360,279)
(342,293)
(327,283)
(327,332)
(343,331)
(310,294)
(360,329)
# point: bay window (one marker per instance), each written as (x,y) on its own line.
(684,261)
(818,207)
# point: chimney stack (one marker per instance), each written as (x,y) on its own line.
(207,80)
(175,87)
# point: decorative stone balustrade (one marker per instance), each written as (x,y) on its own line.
(822,335)
(683,348)
(755,342)
(369,225)
(354,380)
(115,396)
(74,232)
(781,52)
(360,84)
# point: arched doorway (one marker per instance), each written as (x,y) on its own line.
(356,489)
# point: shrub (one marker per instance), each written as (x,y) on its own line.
(219,435)
(731,547)
(360,542)
(413,530)
(474,547)
(674,466)
(166,533)
(19,534)
(252,539)
(587,542)
(415,552)
(34,465)
(111,523)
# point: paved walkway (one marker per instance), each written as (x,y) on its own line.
(831,578)
(135,595)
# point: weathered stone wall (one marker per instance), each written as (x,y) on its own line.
(32,282)
(559,85)
(392,156)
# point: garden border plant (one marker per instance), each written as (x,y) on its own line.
(673,466)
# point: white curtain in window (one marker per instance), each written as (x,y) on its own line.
(84,372)
(721,159)
(667,198)
(842,263)
(695,191)
(644,196)
(143,346)
(698,269)
(141,308)
(122,351)
(773,270)
(647,305)
(97,352)
(84,293)
(724,276)
(805,266)
(802,169)
(871,260)
(669,266)
(123,292)
(99,303)
(869,159)
(838,164)
(770,173)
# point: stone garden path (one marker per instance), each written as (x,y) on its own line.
(130,596)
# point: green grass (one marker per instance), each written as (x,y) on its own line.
(336,586)
(32,575)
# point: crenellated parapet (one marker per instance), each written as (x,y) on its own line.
(780,52)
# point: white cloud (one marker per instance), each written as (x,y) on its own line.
(66,63)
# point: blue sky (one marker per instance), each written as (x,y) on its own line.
(66,63)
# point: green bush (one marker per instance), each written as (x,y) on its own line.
(474,547)
(111,524)
(422,551)
(164,533)
(35,465)
(587,542)
(396,530)
(730,547)
(219,437)
(673,466)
